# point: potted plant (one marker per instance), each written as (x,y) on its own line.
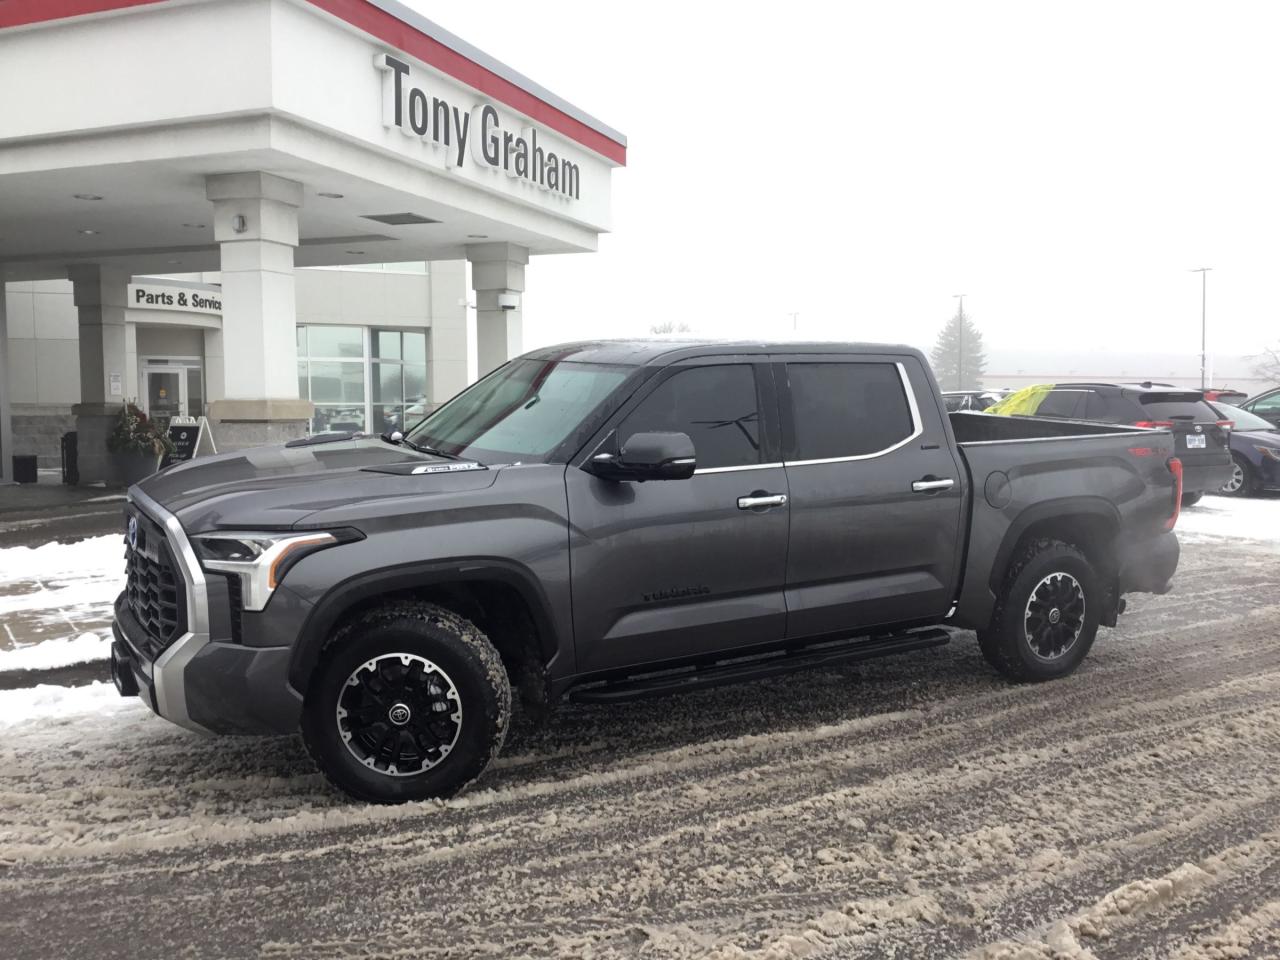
(138,444)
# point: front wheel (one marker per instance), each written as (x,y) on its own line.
(1241,482)
(1047,618)
(409,701)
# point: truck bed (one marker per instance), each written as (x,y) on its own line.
(971,427)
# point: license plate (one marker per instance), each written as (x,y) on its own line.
(1196,441)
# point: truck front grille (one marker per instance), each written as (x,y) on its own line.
(154,588)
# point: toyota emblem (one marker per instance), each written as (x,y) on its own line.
(131,533)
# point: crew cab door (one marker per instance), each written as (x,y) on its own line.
(667,569)
(876,494)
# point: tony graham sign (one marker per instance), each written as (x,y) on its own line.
(476,131)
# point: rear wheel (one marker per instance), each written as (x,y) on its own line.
(1241,483)
(1191,499)
(409,701)
(1047,618)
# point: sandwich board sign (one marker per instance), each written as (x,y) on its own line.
(192,437)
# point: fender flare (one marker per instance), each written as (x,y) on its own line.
(325,615)
(1098,507)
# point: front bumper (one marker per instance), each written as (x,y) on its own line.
(1148,566)
(201,680)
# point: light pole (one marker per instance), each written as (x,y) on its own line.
(960,351)
(1203,271)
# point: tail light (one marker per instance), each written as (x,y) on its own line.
(1227,424)
(1152,424)
(1175,467)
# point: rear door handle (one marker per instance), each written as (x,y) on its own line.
(769,500)
(925,486)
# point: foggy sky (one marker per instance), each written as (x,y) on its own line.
(1062,165)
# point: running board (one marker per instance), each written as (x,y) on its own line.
(717,674)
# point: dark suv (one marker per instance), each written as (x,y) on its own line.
(611,520)
(1201,436)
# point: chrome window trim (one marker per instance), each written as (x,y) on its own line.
(169,668)
(916,423)
(744,467)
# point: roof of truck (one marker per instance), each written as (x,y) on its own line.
(641,352)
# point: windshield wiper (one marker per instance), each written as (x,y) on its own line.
(422,448)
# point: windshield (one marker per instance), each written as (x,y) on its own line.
(522,411)
(1244,420)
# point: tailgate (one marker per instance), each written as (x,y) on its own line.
(1200,438)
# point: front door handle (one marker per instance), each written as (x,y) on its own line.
(927,486)
(767,500)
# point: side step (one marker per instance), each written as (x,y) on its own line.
(717,674)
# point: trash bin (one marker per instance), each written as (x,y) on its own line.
(24,468)
(70,459)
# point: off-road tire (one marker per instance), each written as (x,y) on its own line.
(1191,499)
(1247,482)
(440,636)
(1005,642)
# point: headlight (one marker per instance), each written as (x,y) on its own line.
(261,560)
(1269,453)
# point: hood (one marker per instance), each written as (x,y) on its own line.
(1267,438)
(279,486)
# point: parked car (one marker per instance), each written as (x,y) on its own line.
(1255,453)
(613,520)
(1225,395)
(1265,405)
(1200,435)
(957,400)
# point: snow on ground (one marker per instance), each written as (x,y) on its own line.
(1256,520)
(57,593)
(916,806)
(51,701)
(58,652)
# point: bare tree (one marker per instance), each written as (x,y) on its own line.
(1267,364)
(669,327)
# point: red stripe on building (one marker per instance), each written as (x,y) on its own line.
(378,23)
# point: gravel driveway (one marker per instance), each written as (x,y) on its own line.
(911,807)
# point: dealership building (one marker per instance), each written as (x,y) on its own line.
(283,215)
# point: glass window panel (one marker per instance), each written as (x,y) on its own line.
(415,346)
(335,342)
(415,383)
(302,340)
(195,392)
(715,406)
(388,417)
(304,390)
(336,382)
(386,344)
(846,409)
(386,383)
(337,418)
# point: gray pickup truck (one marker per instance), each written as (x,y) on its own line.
(611,520)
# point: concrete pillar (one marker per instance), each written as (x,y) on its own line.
(101,295)
(255,222)
(447,354)
(497,276)
(6,411)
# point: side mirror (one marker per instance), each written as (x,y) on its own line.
(648,456)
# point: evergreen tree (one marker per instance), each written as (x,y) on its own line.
(959,361)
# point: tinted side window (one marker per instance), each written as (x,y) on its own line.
(847,409)
(1060,403)
(716,406)
(1269,405)
(1097,408)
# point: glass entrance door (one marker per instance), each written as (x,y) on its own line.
(166,394)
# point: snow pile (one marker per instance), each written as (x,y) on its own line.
(90,559)
(45,701)
(1213,518)
(62,652)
